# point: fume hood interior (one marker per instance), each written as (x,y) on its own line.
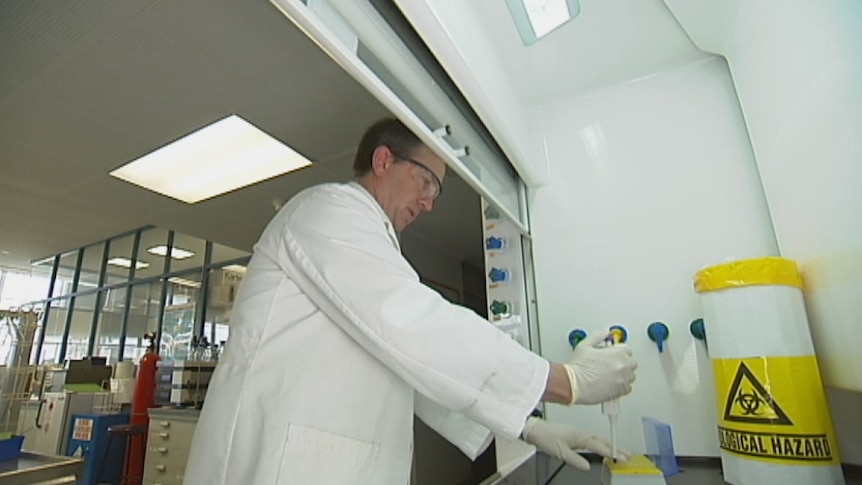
(628,148)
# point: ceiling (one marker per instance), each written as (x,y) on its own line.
(609,42)
(87,86)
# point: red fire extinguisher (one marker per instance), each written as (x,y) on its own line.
(145,398)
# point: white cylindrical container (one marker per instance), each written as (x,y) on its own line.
(774,424)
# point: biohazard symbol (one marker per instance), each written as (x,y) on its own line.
(749,402)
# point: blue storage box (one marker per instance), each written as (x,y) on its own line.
(11,448)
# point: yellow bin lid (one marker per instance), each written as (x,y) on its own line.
(749,272)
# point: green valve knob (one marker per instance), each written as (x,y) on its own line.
(697,329)
(575,337)
(491,212)
(500,308)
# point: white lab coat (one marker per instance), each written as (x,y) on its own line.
(335,344)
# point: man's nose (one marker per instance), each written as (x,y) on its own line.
(426,203)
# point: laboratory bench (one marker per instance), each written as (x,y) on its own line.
(171,431)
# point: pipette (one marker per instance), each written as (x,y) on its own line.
(611,408)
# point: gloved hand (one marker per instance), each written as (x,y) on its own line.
(560,441)
(598,373)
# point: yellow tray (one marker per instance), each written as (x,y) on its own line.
(636,465)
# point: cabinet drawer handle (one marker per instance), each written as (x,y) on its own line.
(165,424)
(164,435)
(161,468)
(162,450)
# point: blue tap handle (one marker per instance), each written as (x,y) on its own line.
(497,275)
(658,333)
(495,243)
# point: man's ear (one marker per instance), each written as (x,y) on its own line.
(381,160)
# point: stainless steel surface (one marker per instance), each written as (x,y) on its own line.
(31,468)
(699,471)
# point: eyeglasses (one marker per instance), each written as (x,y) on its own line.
(431,186)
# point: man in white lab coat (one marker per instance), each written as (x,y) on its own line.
(335,344)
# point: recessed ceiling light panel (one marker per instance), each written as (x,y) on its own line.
(185,282)
(127,263)
(176,253)
(537,18)
(221,157)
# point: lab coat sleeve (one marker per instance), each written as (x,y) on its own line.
(467,435)
(335,248)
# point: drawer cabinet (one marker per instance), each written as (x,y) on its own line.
(168,443)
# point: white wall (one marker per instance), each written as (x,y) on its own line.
(650,181)
(796,65)
(477,42)
(796,72)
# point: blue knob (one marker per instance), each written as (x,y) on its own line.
(497,275)
(575,336)
(495,243)
(658,333)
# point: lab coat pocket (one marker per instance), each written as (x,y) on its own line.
(312,456)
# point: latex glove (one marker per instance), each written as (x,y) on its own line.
(561,440)
(599,373)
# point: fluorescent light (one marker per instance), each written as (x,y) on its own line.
(236,268)
(223,156)
(127,263)
(176,253)
(185,282)
(48,260)
(546,15)
(537,18)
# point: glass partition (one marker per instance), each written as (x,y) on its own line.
(223,253)
(188,252)
(181,307)
(110,324)
(120,259)
(109,317)
(91,266)
(54,327)
(152,250)
(222,288)
(143,318)
(65,274)
(78,343)
(21,288)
